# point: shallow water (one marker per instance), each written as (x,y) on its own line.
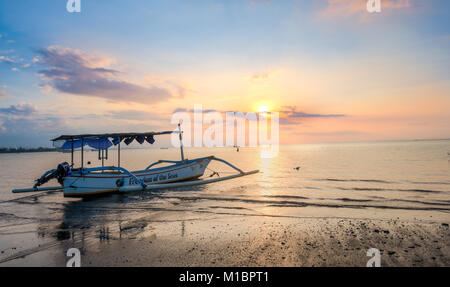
(407,180)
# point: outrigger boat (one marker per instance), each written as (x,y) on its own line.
(83,181)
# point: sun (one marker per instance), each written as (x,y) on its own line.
(263,109)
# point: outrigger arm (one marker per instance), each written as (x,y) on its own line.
(209,157)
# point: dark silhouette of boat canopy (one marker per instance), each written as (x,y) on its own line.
(105,141)
(111,135)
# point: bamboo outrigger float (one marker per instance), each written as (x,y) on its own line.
(84,181)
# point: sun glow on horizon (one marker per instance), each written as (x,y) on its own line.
(263,109)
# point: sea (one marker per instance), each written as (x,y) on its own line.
(405,180)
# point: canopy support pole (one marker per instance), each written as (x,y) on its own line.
(181,142)
(118,155)
(72,154)
(82,154)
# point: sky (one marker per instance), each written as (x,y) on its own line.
(333,71)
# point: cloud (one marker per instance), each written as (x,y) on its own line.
(3,94)
(259,2)
(4,59)
(131,115)
(45,88)
(29,131)
(30,125)
(351,7)
(291,112)
(171,85)
(9,51)
(396,4)
(24,125)
(180,110)
(288,115)
(75,72)
(19,109)
(183,110)
(294,114)
(286,112)
(291,116)
(263,76)
(333,133)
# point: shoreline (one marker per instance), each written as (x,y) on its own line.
(27,150)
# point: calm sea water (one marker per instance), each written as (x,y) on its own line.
(409,180)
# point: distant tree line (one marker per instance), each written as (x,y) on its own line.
(22,149)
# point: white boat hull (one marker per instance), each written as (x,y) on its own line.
(105,182)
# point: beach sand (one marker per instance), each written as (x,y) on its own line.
(269,241)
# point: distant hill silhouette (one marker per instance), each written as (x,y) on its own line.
(22,149)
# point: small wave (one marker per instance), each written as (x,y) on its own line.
(430,182)
(286,196)
(441,202)
(232,199)
(289,203)
(358,206)
(383,181)
(355,180)
(229,207)
(301,187)
(7,215)
(354,200)
(383,199)
(389,189)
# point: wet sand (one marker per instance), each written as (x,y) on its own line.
(267,241)
(306,242)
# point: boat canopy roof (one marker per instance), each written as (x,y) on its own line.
(104,141)
(111,135)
